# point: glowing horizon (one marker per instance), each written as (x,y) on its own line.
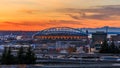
(42,14)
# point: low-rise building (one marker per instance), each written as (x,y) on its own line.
(116,39)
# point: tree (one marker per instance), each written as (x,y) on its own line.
(109,49)
(72,49)
(104,47)
(113,48)
(7,57)
(21,56)
(3,58)
(30,56)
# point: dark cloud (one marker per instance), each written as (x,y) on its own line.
(29,11)
(98,16)
(94,16)
(24,23)
(108,9)
(49,23)
(75,16)
(108,12)
(64,22)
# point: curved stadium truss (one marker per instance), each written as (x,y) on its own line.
(60,33)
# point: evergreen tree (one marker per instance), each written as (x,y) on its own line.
(7,57)
(113,48)
(109,49)
(3,58)
(30,56)
(104,47)
(21,56)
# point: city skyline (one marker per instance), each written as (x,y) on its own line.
(42,14)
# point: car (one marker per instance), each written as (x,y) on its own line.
(61,56)
(118,59)
(72,58)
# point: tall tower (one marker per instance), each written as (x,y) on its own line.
(106,29)
(86,31)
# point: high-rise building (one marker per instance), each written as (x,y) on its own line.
(98,38)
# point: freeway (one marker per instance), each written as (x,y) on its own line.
(107,65)
(73,61)
(63,65)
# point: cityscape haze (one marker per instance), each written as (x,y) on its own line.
(59,33)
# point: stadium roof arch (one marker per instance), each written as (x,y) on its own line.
(60,31)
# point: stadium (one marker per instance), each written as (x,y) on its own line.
(60,38)
(60,34)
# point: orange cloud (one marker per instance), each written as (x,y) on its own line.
(41,14)
(28,25)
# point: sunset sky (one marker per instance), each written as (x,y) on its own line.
(42,14)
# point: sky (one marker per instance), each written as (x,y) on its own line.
(41,14)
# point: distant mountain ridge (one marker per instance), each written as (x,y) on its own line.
(111,30)
(104,27)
